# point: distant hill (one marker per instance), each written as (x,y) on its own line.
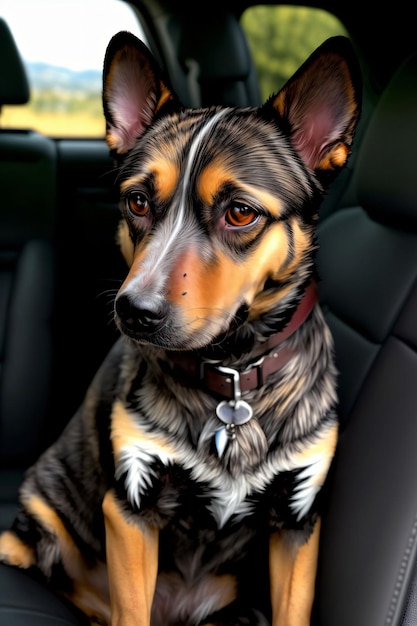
(44,76)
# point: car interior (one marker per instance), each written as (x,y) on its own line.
(60,268)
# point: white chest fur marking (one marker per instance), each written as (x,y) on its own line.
(140,450)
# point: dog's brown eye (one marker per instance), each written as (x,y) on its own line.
(240,214)
(138,204)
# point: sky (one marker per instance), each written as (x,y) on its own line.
(77,31)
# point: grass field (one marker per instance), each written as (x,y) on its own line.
(54,124)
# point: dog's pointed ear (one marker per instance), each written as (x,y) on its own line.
(319,106)
(134,91)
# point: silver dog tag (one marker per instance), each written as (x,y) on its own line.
(236,413)
(221,439)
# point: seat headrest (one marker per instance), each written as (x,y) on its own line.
(14,85)
(387,161)
(219,53)
(221,50)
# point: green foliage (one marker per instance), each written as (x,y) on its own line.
(66,101)
(282,37)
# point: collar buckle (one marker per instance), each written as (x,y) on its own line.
(233,376)
(257,365)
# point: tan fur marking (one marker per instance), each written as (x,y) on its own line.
(125,432)
(293,388)
(15,552)
(132,558)
(211,179)
(165,170)
(337,157)
(292,578)
(113,142)
(211,290)
(279,103)
(266,301)
(323,447)
(127,184)
(279,270)
(125,243)
(267,200)
(90,591)
(216,174)
(166,177)
(301,243)
(50,519)
(164,97)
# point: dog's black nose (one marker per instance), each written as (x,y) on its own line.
(140,314)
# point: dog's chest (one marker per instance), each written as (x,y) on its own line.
(164,478)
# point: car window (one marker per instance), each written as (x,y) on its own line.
(62,45)
(282,37)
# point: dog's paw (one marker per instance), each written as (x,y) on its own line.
(14,552)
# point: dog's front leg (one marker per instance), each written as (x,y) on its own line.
(292,577)
(132,565)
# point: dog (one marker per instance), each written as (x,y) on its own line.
(187,489)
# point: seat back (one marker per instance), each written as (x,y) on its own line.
(27,208)
(368,265)
(210,64)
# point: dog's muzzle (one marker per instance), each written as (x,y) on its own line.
(141,316)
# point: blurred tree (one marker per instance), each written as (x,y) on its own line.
(282,37)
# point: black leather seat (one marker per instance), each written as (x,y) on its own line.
(368,262)
(27,297)
(27,266)
(210,63)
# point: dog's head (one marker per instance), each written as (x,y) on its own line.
(219,204)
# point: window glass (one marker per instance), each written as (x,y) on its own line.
(63,43)
(282,37)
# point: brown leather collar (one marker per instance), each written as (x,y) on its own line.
(229,382)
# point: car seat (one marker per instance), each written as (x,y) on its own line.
(27,206)
(208,63)
(368,266)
